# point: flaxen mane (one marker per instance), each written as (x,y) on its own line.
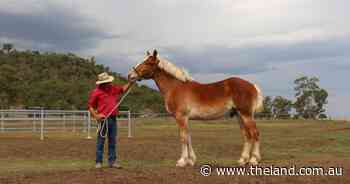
(170,68)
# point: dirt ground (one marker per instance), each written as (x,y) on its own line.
(150,156)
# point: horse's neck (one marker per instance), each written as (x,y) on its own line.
(166,82)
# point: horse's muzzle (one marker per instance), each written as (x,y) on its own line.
(133,79)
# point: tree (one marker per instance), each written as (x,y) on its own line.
(267,104)
(93,60)
(322,116)
(281,107)
(7,47)
(310,97)
(4,100)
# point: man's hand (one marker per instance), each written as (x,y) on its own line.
(96,115)
(128,85)
(99,117)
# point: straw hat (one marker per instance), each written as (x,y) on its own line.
(104,78)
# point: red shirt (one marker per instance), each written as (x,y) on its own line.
(105,99)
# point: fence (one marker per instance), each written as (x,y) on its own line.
(53,120)
(259,116)
(44,121)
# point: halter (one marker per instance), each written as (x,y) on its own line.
(137,73)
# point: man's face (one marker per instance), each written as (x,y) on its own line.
(105,86)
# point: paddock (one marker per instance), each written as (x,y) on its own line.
(150,156)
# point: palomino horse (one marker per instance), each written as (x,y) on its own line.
(186,99)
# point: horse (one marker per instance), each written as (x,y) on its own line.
(185,99)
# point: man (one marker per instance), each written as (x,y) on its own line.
(102,101)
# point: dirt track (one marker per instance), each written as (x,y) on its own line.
(150,156)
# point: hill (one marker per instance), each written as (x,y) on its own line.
(60,81)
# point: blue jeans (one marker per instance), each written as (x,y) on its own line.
(111,135)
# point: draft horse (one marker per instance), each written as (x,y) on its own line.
(187,99)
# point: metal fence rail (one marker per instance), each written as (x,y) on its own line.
(53,120)
(45,121)
(259,116)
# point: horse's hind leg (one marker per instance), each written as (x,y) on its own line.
(191,154)
(255,156)
(247,144)
(251,148)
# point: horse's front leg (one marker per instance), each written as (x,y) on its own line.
(182,123)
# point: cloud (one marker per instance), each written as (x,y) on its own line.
(250,60)
(269,42)
(331,72)
(51,28)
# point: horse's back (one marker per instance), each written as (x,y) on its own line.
(232,84)
(238,90)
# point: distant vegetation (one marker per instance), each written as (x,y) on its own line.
(309,104)
(60,81)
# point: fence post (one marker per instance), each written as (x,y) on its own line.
(129,125)
(73,122)
(89,125)
(42,124)
(34,117)
(64,121)
(2,122)
(84,123)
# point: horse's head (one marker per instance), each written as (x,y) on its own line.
(146,69)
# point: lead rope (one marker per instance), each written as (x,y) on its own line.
(104,123)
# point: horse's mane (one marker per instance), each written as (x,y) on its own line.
(178,73)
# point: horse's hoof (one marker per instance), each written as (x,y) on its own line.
(242,161)
(253,161)
(190,162)
(181,163)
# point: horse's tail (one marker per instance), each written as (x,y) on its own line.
(259,106)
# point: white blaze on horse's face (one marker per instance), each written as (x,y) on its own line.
(136,72)
(132,75)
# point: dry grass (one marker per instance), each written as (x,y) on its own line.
(150,156)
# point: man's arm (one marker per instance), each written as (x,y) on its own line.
(92,104)
(127,86)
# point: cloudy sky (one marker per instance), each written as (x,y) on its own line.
(269,42)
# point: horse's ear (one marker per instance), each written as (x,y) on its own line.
(147,53)
(155,53)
